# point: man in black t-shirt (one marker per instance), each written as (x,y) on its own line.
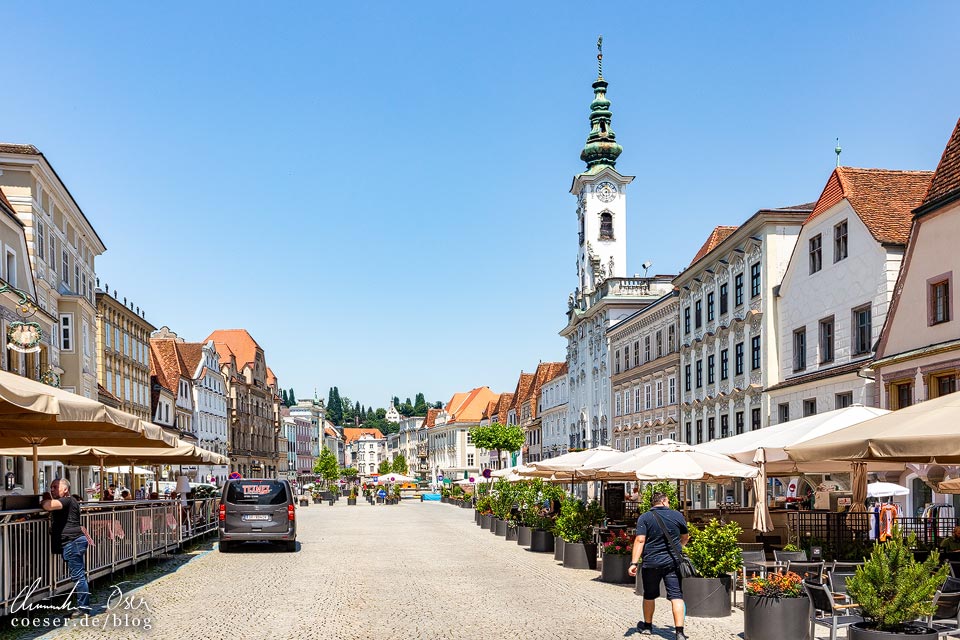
(67,537)
(660,561)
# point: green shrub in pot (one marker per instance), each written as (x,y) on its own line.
(713,548)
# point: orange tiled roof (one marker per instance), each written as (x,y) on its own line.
(192,354)
(271,379)
(523,391)
(946,179)
(503,406)
(546,371)
(431,419)
(350,433)
(101,390)
(718,235)
(170,366)
(468,407)
(884,199)
(239,342)
(490,408)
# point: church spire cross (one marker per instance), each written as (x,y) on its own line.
(601,149)
(600,58)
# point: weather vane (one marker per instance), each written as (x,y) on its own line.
(600,56)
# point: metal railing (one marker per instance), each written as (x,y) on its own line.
(848,534)
(123,533)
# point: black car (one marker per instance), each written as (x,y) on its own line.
(257,510)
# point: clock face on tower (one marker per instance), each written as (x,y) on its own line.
(606,191)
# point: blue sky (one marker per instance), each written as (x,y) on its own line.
(378,191)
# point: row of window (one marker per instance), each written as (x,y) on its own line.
(721,299)
(861,326)
(755,362)
(901,393)
(840,401)
(840,247)
(652,397)
(624,444)
(651,349)
(696,435)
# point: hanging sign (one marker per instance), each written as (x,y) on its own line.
(24,337)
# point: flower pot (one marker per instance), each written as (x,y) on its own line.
(579,555)
(304,502)
(331,501)
(775,618)
(860,631)
(492,525)
(466,505)
(614,569)
(708,597)
(352,501)
(501,528)
(484,520)
(558,548)
(523,536)
(541,541)
(512,531)
(318,501)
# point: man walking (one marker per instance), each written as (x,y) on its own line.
(68,539)
(659,531)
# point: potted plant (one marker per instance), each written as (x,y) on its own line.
(528,508)
(776,607)
(317,495)
(575,525)
(542,520)
(352,498)
(714,551)
(616,558)
(396,494)
(502,504)
(893,589)
(484,509)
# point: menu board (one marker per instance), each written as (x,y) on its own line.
(613,498)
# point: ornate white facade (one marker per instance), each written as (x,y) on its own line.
(553,413)
(210,410)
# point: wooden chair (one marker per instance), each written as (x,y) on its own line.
(787,556)
(824,610)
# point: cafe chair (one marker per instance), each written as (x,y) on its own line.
(955,568)
(750,564)
(786,556)
(845,567)
(825,611)
(812,571)
(946,617)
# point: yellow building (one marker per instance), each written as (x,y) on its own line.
(123,345)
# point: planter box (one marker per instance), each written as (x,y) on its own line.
(318,501)
(304,502)
(858,632)
(484,521)
(352,501)
(614,569)
(541,541)
(776,618)
(466,505)
(523,536)
(708,597)
(512,532)
(558,548)
(476,517)
(579,555)
(501,528)
(331,501)
(492,524)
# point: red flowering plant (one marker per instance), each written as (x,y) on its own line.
(776,585)
(618,544)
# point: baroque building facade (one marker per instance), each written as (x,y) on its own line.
(553,416)
(123,345)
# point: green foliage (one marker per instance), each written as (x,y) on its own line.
(503,498)
(484,503)
(420,406)
(283,398)
(384,467)
(498,437)
(663,486)
(348,472)
(577,519)
(791,547)
(619,543)
(400,465)
(892,588)
(291,398)
(713,548)
(326,466)
(334,407)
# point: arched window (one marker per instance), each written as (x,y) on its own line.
(606,226)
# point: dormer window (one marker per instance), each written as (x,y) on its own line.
(606,226)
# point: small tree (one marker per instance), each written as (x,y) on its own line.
(663,486)
(498,437)
(400,465)
(348,473)
(384,467)
(291,398)
(283,398)
(713,548)
(326,466)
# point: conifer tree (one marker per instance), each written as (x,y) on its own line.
(291,397)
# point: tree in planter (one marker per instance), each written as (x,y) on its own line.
(326,467)
(485,504)
(663,486)
(503,498)
(892,588)
(713,549)
(400,465)
(576,520)
(498,437)
(384,467)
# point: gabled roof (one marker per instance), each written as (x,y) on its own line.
(330,433)
(523,391)
(946,179)
(431,419)
(503,406)
(546,371)
(167,363)
(468,407)
(192,354)
(239,342)
(718,235)
(350,434)
(883,198)
(490,408)
(102,391)
(271,379)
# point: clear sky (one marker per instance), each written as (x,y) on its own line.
(379,191)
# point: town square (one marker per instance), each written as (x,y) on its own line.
(520,321)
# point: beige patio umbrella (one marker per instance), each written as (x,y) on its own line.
(762,521)
(670,460)
(949,486)
(569,466)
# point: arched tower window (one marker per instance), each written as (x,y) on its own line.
(606,226)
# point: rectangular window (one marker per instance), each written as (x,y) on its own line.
(66,332)
(698,314)
(784,412)
(809,407)
(647,402)
(689,433)
(469,459)
(738,290)
(40,240)
(671,339)
(945,384)
(646,349)
(755,352)
(738,422)
(939,302)
(710,307)
(755,280)
(840,241)
(617,406)
(636,353)
(724,426)
(724,364)
(65,274)
(861,330)
(699,431)
(902,394)
(686,319)
(738,359)
(754,419)
(800,349)
(11,268)
(659,344)
(699,373)
(659,393)
(686,378)
(843,400)
(711,428)
(636,400)
(616,361)
(76,276)
(626,357)
(816,254)
(711,369)
(724,291)
(826,340)
(672,391)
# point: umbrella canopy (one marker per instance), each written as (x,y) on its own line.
(776,438)
(928,432)
(394,478)
(88,456)
(949,486)
(139,471)
(762,521)
(570,466)
(669,460)
(884,489)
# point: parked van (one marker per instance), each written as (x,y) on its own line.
(257,509)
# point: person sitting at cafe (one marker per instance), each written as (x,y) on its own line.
(951,544)
(125,495)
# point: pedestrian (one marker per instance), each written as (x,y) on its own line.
(68,538)
(661,532)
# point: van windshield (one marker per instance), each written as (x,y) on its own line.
(262,493)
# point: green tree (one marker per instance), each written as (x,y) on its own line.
(283,398)
(498,437)
(438,405)
(291,398)
(346,413)
(396,401)
(384,467)
(400,465)
(348,473)
(335,407)
(381,414)
(326,466)
(370,414)
(420,405)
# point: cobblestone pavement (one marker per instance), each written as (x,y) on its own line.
(410,571)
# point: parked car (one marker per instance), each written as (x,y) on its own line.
(257,510)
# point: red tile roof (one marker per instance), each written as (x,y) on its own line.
(238,342)
(350,434)
(468,407)
(271,379)
(546,371)
(192,354)
(718,235)
(522,392)
(946,179)
(431,419)
(884,199)
(503,406)
(167,363)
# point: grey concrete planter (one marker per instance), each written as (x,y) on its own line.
(614,569)
(776,618)
(579,555)
(523,536)
(558,548)
(512,532)
(501,528)
(485,520)
(541,541)
(492,524)
(476,517)
(352,501)
(859,631)
(708,597)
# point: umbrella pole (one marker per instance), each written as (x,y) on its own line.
(103,480)
(36,468)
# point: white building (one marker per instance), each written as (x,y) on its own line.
(604,294)
(366,449)
(553,413)
(408,439)
(210,404)
(833,301)
(452,454)
(313,411)
(392,414)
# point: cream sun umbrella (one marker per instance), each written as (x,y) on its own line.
(569,467)
(670,460)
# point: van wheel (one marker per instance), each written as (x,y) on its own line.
(225,547)
(291,546)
